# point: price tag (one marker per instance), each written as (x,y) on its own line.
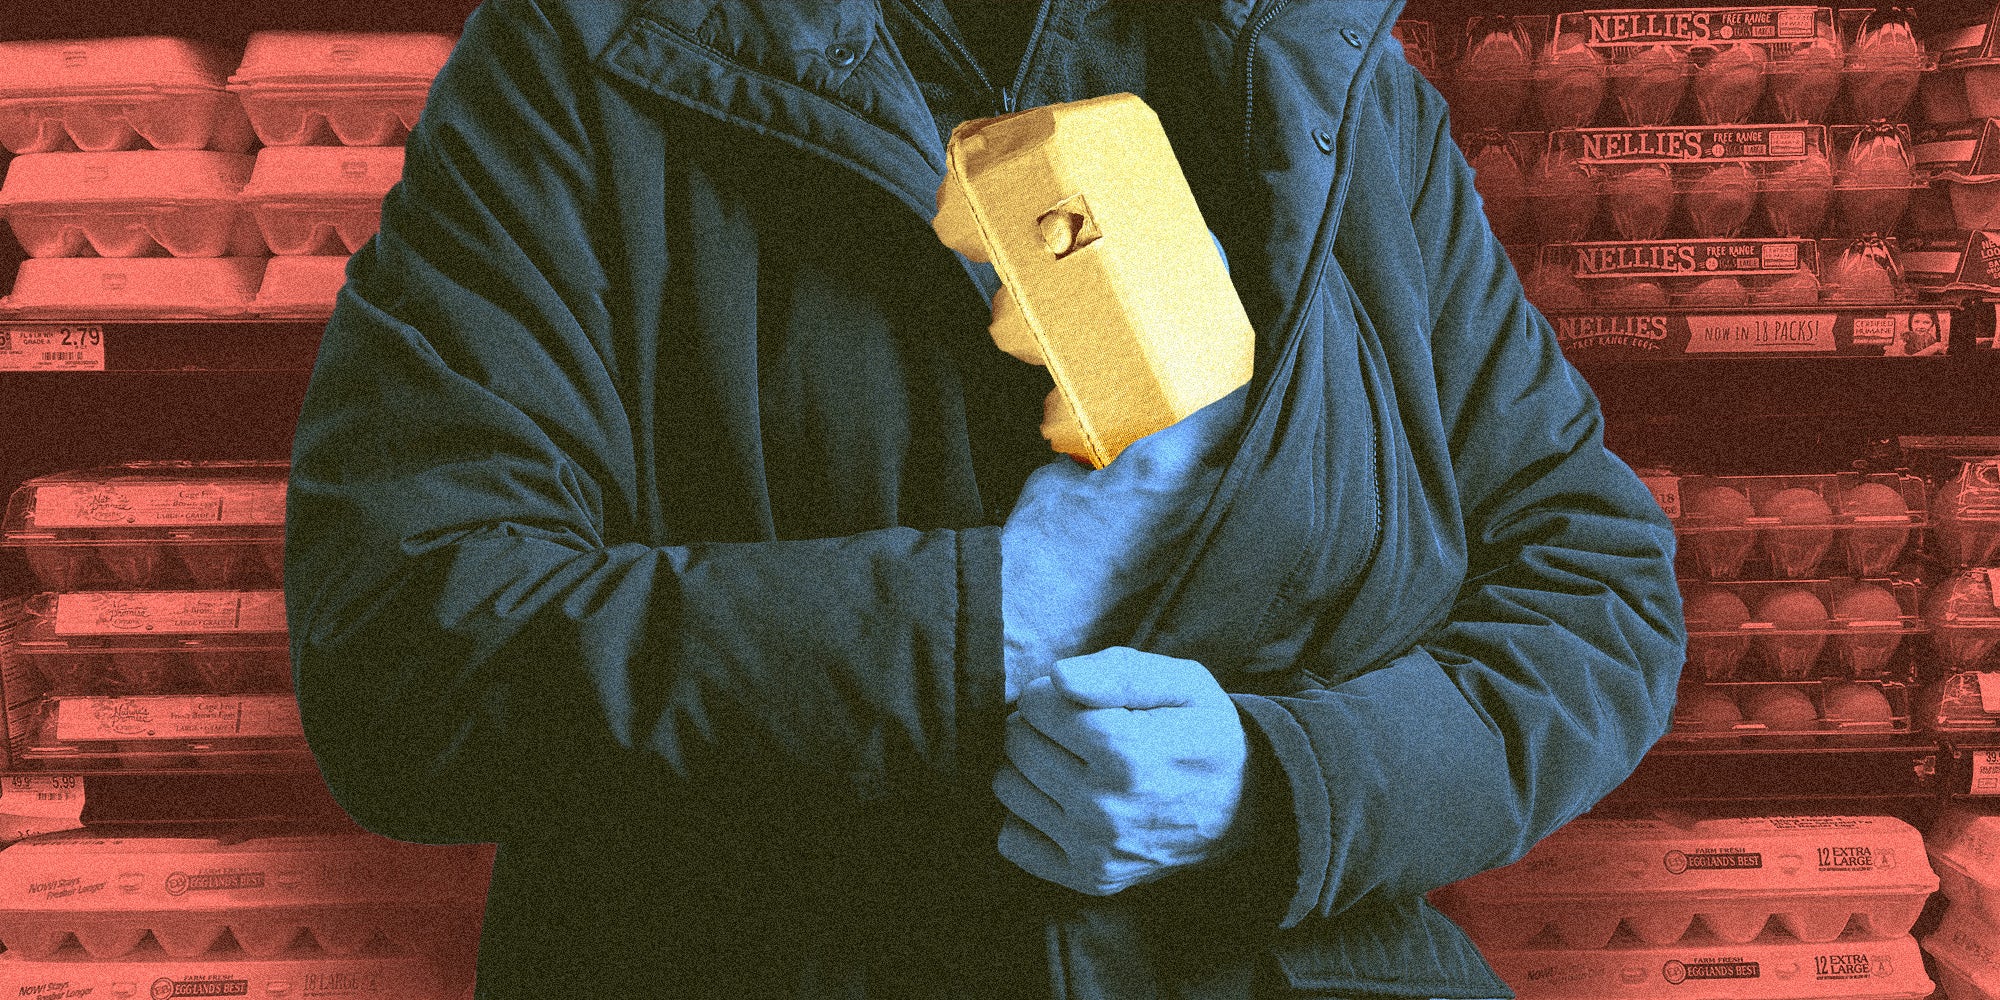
(33,804)
(169,612)
(1986,772)
(51,349)
(1666,493)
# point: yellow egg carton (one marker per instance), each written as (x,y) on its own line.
(1109,275)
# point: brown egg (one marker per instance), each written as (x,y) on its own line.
(1719,201)
(1641,199)
(1649,84)
(1569,82)
(1716,643)
(1798,288)
(1721,291)
(1882,67)
(1490,82)
(1804,83)
(1502,187)
(1796,195)
(1562,198)
(1729,84)
(1872,182)
(1794,649)
(1631,293)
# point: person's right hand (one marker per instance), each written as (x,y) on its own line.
(1080,546)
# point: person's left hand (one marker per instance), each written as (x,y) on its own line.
(1122,766)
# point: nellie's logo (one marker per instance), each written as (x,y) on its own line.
(1627,27)
(1642,332)
(1645,144)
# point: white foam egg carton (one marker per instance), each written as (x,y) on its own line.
(163,977)
(130,204)
(102,94)
(350,88)
(1813,874)
(1964,845)
(108,892)
(301,286)
(134,287)
(1773,969)
(1965,951)
(321,200)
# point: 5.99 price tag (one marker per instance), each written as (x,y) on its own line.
(52,348)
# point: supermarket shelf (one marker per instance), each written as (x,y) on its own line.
(83,345)
(1705,335)
(1969,766)
(1778,774)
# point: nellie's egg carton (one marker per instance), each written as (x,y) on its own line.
(1846,524)
(130,204)
(1963,613)
(1658,274)
(1799,630)
(115,643)
(1965,951)
(1791,714)
(102,94)
(152,525)
(1658,879)
(159,733)
(1704,182)
(1708,65)
(1773,969)
(351,88)
(164,977)
(76,288)
(1111,279)
(321,199)
(301,286)
(187,888)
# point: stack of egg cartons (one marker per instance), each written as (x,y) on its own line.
(332,109)
(1765,908)
(130,158)
(1964,845)
(1799,615)
(157,640)
(203,912)
(1959,154)
(1693,157)
(1963,609)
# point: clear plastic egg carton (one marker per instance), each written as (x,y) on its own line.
(157,733)
(1965,951)
(117,643)
(347,894)
(1963,81)
(1874,178)
(1420,46)
(214,525)
(321,200)
(1685,66)
(161,976)
(1793,527)
(144,202)
(104,94)
(349,88)
(1882,63)
(1965,513)
(1637,183)
(1963,615)
(74,288)
(1791,714)
(1792,630)
(1964,845)
(1966,701)
(1777,969)
(1660,274)
(1663,881)
(301,286)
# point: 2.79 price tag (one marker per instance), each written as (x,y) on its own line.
(52,348)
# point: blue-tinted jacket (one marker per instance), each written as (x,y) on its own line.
(644,521)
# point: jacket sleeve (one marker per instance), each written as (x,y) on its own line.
(1554,671)
(476,646)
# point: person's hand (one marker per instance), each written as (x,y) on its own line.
(1122,767)
(1079,544)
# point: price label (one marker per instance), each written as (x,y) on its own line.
(1666,493)
(33,804)
(1986,772)
(51,349)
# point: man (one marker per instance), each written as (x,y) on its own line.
(662,511)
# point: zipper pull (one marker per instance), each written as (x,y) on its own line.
(1007,100)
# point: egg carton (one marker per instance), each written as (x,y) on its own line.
(1965,512)
(1963,614)
(131,204)
(75,288)
(152,525)
(162,977)
(1965,81)
(1964,846)
(1791,714)
(1965,951)
(301,286)
(1799,630)
(104,94)
(1959,702)
(1658,879)
(1702,182)
(108,889)
(320,200)
(1661,273)
(1420,46)
(156,732)
(1883,63)
(348,88)
(159,642)
(1846,524)
(1776,969)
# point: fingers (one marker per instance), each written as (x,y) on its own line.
(1122,677)
(1035,853)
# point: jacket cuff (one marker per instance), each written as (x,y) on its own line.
(1292,753)
(980,675)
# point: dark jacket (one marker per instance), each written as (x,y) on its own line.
(643,520)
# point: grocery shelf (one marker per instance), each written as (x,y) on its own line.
(1907,771)
(84,344)
(1969,766)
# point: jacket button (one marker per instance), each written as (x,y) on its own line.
(841,56)
(1323,139)
(1351,37)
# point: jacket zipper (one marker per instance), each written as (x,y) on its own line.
(1249,69)
(1004,95)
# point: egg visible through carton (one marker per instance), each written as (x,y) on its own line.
(1490,81)
(1792,651)
(1562,197)
(1729,83)
(1650,83)
(1570,81)
(1641,200)
(1805,82)
(1716,644)
(1502,187)
(1864,271)
(1720,199)
(1882,65)
(1873,180)
(1796,193)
